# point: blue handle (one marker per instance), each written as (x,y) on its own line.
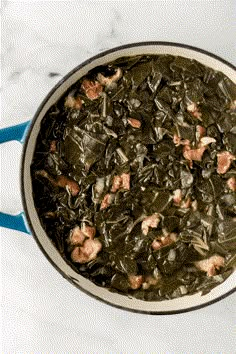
(17,132)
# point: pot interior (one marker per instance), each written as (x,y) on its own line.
(182,304)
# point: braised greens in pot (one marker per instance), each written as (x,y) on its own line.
(134,176)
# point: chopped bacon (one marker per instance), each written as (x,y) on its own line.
(72,102)
(193,154)
(185,204)
(224,160)
(63,181)
(209,265)
(88,231)
(107,81)
(87,252)
(117,183)
(200,132)
(135,123)
(107,200)
(231,183)
(125,177)
(149,280)
(135,281)
(193,109)
(77,237)
(206,140)
(150,221)
(92,89)
(177,198)
(164,241)
(178,141)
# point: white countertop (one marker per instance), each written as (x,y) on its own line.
(41,311)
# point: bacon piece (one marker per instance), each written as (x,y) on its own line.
(107,200)
(135,123)
(135,281)
(150,221)
(231,183)
(178,141)
(193,154)
(177,198)
(206,140)
(149,280)
(185,204)
(200,132)
(88,231)
(193,109)
(108,81)
(77,237)
(92,89)
(117,183)
(125,177)
(164,241)
(209,265)
(87,252)
(224,160)
(72,102)
(63,181)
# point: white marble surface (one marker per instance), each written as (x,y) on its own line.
(42,312)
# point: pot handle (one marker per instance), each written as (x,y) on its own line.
(16,132)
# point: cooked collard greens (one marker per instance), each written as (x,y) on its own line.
(134,176)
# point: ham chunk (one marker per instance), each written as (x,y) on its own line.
(121,182)
(135,123)
(164,241)
(193,109)
(224,160)
(72,102)
(77,237)
(177,197)
(92,89)
(87,252)
(209,265)
(149,281)
(231,183)
(88,231)
(135,281)
(63,181)
(107,200)
(117,183)
(150,221)
(108,81)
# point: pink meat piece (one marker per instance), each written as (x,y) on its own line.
(77,237)
(150,221)
(92,89)
(231,183)
(53,146)
(164,241)
(209,265)
(117,183)
(135,123)
(107,200)
(177,197)
(224,160)
(88,231)
(72,102)
(125,177)
(193,154)
(148,281)
(193,109)
(135,281)
(87,252)
(200,132)
(63,181)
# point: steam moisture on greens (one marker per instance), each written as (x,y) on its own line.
(134,176)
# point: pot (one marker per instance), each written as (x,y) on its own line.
(28,221)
